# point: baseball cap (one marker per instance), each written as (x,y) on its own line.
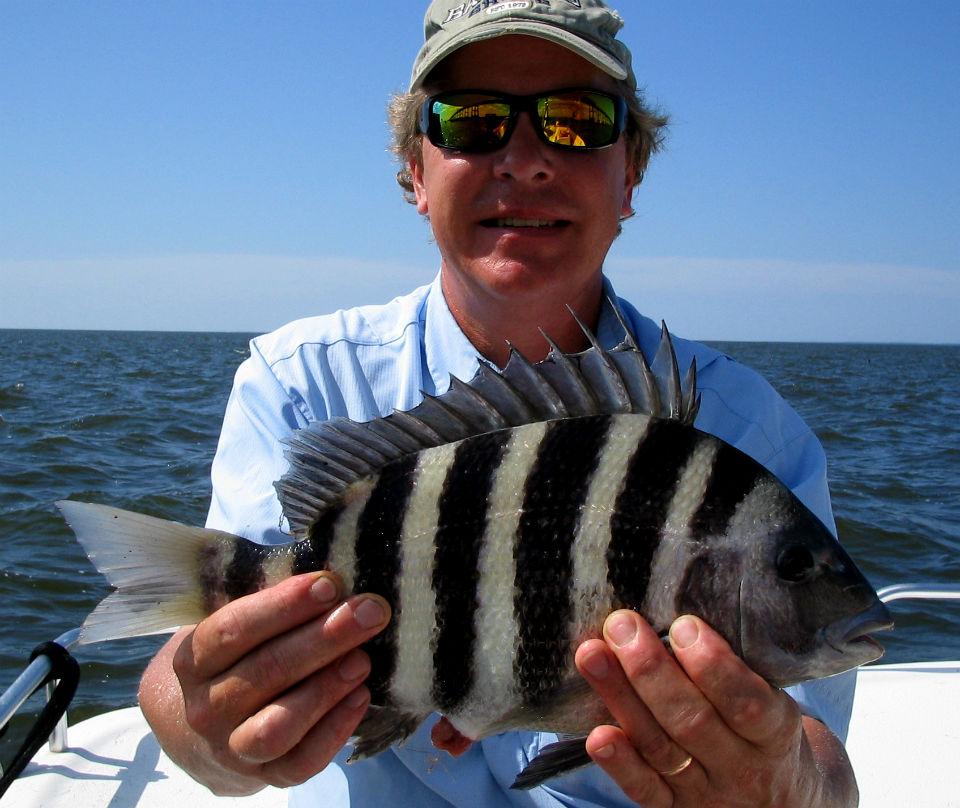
(586,27)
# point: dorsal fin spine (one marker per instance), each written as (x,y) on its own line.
(375,452)
(602,375)
(667,359)
(578,398)
(486,415)
(513,404)
(416,428)
(391,432)
(641,384)
(629,340)
(545,400)
(691,400)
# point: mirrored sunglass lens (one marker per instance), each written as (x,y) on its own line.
(470,122)
(580,120)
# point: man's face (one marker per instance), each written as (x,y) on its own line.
(527,219)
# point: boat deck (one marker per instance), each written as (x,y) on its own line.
(904,738)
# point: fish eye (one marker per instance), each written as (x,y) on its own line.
(795,563)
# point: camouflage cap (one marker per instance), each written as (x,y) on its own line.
(586,27)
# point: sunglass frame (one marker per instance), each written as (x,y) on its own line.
(430,124)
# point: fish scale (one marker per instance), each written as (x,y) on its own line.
(503,521)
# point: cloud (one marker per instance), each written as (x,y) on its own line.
(704,298)
(192,292)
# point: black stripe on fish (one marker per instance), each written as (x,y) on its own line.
(642,506)
(210,574)
(732,477)
(378,560)
(553,498)
(244,574)
(460,530)
(311,553)
(706,588)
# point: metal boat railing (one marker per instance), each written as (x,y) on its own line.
(51,665)
(27,683)
(919,592)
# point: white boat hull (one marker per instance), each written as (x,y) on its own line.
(114,760)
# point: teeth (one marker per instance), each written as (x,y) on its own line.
(512,222)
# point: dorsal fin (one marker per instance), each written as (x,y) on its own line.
(326,457)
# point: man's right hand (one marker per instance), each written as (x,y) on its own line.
(268,689)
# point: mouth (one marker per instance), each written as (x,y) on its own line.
(513,222)
(856,637)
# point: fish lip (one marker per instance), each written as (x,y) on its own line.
(855,631)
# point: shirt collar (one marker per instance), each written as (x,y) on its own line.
(450,352)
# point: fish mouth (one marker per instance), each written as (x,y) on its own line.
(853,636)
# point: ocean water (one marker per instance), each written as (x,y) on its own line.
(131,419)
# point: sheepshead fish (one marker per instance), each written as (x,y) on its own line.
(503,521)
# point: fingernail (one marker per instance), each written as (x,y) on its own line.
(605,752)
(684,632)
(596,665)
(324,590)
(353,666)
(621,629)
(369,613)
(358,698)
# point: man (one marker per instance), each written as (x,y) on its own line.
(523,209)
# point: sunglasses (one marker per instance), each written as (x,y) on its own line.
(481,121)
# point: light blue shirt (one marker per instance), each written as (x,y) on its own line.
(368,361)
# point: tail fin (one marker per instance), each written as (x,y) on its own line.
(153,563)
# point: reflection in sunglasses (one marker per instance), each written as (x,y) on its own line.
(477,121)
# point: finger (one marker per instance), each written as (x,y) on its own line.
(602,670)
(747,704)
(280,726)
(675,702)
(277,665)
(613,751)
(231,632)
(321,744)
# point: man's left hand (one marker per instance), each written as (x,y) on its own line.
(700,728)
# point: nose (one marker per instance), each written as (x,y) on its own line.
(525,157)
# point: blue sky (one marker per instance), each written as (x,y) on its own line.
(214,165)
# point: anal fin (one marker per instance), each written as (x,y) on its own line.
(380,729)
(554,760)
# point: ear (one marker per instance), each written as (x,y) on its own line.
(419,187)
(629,184)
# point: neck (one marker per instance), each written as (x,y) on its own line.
(490,323)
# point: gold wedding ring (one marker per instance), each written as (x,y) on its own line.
(676,770)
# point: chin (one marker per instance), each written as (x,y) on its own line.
(520,279)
